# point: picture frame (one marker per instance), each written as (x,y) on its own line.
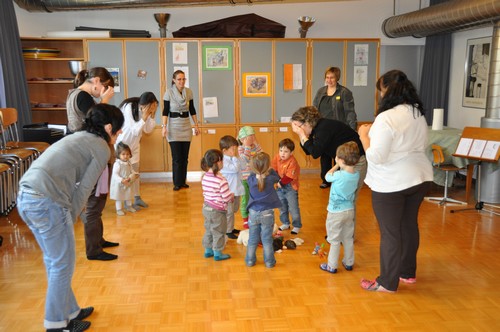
(256,84)
(477,64)
(217,58)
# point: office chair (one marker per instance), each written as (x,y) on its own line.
(438,160)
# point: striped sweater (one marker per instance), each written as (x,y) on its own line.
(216,191)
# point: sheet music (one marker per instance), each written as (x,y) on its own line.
(477,148)
(464,146)
(491,150)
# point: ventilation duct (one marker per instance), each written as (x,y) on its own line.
(450,16)
(69,5)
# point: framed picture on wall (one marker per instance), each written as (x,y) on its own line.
(256,84)
(217,58)
(477,64)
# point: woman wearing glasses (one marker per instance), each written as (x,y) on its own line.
(178,107)
(334,101)
(321,137)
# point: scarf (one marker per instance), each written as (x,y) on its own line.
(180,100)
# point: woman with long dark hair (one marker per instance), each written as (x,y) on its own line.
(53,193)
(139,113)
(399,175)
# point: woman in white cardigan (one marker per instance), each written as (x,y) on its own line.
(399,175)
(139,113)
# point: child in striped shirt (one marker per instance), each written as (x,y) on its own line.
(217,196)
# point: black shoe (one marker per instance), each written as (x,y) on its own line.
(84,313)
(177,188)
(235,231)
(231,236)
(325,185)
(347,267)
(73,326)
(103,256)
(185,186)
(108,244)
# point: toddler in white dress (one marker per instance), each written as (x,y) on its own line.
(121,179)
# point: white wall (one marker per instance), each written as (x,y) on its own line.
(459,116)
(342,19)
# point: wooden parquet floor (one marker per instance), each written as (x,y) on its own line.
(162,282)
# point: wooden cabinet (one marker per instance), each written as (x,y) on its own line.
(50,79)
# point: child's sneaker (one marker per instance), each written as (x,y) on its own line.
(295,230)
(284,227)
(120,212)
(130,209)
(245,223)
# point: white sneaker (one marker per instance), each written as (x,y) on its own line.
(295,230)
(284,227)
(130,209)
(120,212)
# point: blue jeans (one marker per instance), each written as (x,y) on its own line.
(52,226)
(289,198)
(261,225)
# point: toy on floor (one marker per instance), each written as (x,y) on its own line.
(318,250)
(243,237)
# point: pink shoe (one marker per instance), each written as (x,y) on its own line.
(408,280)
(374,286)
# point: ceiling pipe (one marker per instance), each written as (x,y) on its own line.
(71,5)
(453,15)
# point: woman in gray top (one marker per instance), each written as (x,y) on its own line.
(335,102)
(52,194)
(178,106)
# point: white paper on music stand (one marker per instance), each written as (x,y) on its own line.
(477,148)
(491,150)
(464,146)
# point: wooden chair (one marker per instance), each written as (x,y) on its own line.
(8,128)
(438,160)
(6,188)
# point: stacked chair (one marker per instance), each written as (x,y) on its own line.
(15,158)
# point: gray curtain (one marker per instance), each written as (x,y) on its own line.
(11,55)
(435,79)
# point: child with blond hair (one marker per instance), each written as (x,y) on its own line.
(263,200)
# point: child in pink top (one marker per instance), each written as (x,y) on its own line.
(217,196)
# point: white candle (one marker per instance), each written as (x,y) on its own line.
(437,119)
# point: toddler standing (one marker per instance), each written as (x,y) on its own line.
(231,170)
(289,170)
(122,177)
(217,196)
(263,201)
(247,149)
(341,213)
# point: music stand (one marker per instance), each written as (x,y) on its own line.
(482,145)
